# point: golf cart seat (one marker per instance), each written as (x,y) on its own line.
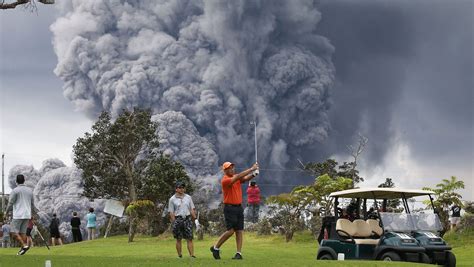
(375,226)
(358,231)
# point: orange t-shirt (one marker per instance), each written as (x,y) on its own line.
(232,194)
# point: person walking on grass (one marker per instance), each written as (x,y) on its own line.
(233,211)
(54,231)
(22,204)
(182,214)
(91,224)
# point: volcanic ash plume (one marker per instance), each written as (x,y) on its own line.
(218,64)
(31,175)
(58,189)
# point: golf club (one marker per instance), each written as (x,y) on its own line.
(41,236)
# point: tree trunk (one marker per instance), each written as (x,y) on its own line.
(133,197)
(131,229)
(200,234)
(289,235)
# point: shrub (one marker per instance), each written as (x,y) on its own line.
(264,227)
(467,223)
(469,207)
(315,224)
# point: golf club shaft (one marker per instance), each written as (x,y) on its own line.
(41,236)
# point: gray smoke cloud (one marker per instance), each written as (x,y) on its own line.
(217,64)
(51,164)
(57,189)
(32,176)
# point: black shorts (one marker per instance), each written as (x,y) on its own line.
(55,234)
(183,228)
(234,217)
(28,231)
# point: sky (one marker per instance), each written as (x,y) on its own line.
(403,78)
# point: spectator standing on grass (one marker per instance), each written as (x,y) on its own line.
(91,224)
(253,200)
(54,231)
(76,228)
(182,214)
(456,216)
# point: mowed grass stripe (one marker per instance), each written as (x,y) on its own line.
(160,251)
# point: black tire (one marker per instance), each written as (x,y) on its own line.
(390,256)
(326,256)
(450,259)
(425,259)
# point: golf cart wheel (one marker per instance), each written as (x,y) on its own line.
(390,256)
(326,256)
(425,258)
(450,259)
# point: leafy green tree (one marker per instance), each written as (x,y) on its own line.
(317,194)
(393,204)
(446,195)
(348,170)
(320,168)
(334,170)
(292,205)
(289,207)
(121,159)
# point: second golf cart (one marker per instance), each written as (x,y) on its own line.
(381,234)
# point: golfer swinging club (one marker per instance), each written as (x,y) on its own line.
(233,210)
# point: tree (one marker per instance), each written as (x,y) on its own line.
(26,3)
(320,168)
(289,207)
(302,198)
(393,204)
(355,153)
(121,160)
(446,195)
(331,168)
(347,170)
(318,193)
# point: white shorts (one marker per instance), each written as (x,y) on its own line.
(455,220)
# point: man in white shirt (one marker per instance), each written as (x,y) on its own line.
(22,204)
(182,214)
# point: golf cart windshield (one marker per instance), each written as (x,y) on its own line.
(402,222)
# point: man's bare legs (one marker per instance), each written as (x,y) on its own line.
(239,239)
(190,247)
(21,238)
(178,247)
(224,238)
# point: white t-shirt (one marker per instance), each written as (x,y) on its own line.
(181,206)
(21,198)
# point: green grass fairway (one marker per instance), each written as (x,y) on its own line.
(147,251)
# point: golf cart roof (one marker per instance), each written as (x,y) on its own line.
(380,193)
